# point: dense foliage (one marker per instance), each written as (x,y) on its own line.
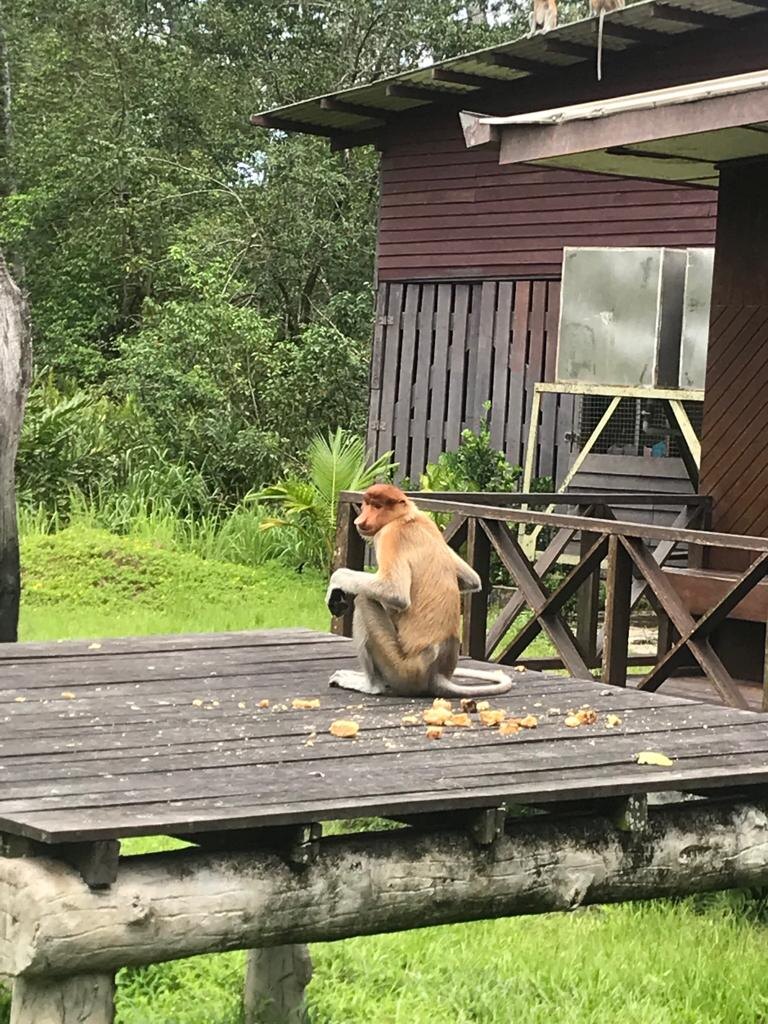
(205,284)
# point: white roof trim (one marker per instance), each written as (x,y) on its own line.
(735,84)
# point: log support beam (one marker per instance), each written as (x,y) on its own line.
(179,904)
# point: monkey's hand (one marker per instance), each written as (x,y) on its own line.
(338,602)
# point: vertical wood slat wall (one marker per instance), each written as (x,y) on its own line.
(440,351)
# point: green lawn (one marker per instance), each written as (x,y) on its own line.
(84,582)
(692,962)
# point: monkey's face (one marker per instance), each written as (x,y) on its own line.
(381,504)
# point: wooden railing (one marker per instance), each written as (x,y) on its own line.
(629,556)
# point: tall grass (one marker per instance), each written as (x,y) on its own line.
(237,535)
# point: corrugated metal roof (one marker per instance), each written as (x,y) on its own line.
(361,109)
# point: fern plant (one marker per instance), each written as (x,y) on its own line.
(308,505)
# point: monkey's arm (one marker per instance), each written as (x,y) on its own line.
(469,581)
(391,589)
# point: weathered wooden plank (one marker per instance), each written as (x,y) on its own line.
(190,725)
(484,367)
(275,983)
(405,379)
(379,772)
(440,382)
(678,729)
(565,412)
(390,370)
(173,642)
(377,363)
(588,599)
(649,531)
(571,497)
(36,772)
(517,354)
(50,674)
(548,429)
(424,344)
(472,399)
(278,685)
(534,370)
(701,589)
(716,772)
(502,339)
(455,383)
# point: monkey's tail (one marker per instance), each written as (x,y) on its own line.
(444,687)
(600,45)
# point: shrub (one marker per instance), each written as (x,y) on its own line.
(227,395)
(475,465)
(309,505)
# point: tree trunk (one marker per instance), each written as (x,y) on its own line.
(15,370)
(274,985)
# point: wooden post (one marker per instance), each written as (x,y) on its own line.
(15,370)
(587,604)
(76,999)
(666,635)
(349,551)
(475,619)
(735,417)
(697,553)
(618,598)
(275,981)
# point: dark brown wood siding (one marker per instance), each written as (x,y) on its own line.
(452,213)
(734,463)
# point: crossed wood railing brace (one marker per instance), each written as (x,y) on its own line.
(483,525)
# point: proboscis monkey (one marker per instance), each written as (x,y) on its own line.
(599,9)
(543,16)
(408,614)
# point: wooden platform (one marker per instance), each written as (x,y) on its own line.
(165,736)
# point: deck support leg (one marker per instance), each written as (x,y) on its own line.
(275,981)
(76,999)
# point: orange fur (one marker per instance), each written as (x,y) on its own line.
(543,15)
(408,614)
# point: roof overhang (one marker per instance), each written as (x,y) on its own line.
(678,134)
(648,32)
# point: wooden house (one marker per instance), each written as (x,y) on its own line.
(469,249)
(491,163)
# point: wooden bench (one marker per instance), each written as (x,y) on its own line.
(741,647)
